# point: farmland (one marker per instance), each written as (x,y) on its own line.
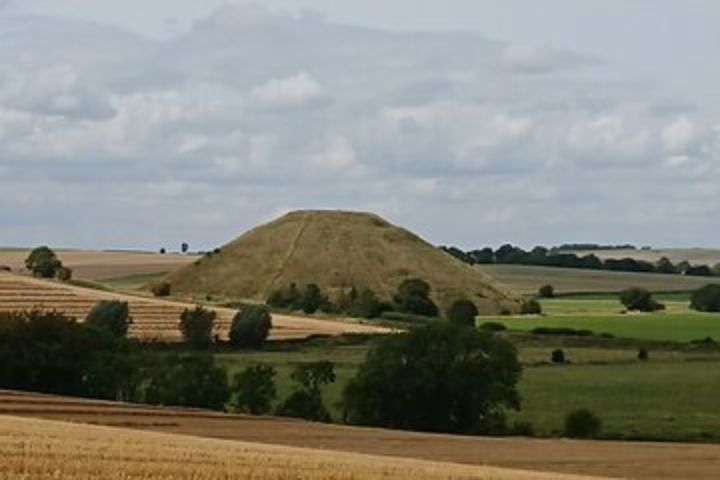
(608,459)
(153,319)
(41,449)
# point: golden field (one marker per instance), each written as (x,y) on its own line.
(40,449)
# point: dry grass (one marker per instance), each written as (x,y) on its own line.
(40,449)
(637,460)
(337,250)
(153,319)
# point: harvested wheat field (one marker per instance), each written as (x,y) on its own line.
(41,449)
(153,319)
(99,265)
(633,460)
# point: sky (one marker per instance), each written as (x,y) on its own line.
(472,122)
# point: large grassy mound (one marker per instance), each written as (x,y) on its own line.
(337,250)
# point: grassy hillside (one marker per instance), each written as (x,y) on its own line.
(527,279)
(337,250)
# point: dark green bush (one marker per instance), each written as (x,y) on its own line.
(493,326)
(110,315)
(582,423)
(546,291)
(197,326)
(43,262)
(161,289)
(643,355)
(306,400)
(562,331)
(255,389)
(557,356)
(639,299)
(706,299)
(531,307)
(413,296)
(64,274)
(462,312)
(250,327)
(407,317)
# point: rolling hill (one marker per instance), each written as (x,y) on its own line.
(337,250)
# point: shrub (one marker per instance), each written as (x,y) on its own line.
(188,381)
(582,423)
(285,298)
(643,355)
(250,327)
(639,299)
(413,296)
(255,389)
(312,299)
(573,332)
(558,356)
(161,289)
(546,291)
(706,299)
(110,315)
(306,401)
(531,307)
(406,317)
(522,429)
(463,312)
(43,262)
(493,326)
(364,304)
(64,274)
(197,326)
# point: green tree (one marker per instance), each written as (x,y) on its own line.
(706,299)
(188,381)
(250,327)
(64,274)
(255,389)
(306,400)
(439,378)
(197,326)
(364,304)
(413,296)
(531,307)
(312,299)
(110,315)
(43,262)
(639,299)
(463,312)
(582,423)
(287,298)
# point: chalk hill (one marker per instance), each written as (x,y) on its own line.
(337,250)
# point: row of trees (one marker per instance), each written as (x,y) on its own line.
(541,256)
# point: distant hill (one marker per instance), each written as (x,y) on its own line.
(337,250)
(696,256)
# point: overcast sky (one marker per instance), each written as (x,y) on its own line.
(145,123)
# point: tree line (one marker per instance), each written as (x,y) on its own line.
(541,256)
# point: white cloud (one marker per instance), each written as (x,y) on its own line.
(679,135)
(337,154)
(294,92)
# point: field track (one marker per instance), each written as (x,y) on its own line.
(153,319)
(41,449)
(640,460)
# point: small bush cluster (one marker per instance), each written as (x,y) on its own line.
(582,423)
(161,289)
(562,331)
(493,326)
(639,299)
(706,299)
(531,307)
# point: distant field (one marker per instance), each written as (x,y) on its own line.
(97,265)
(527,279)
(27,445)
(699,256)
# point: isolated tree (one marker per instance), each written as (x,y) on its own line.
(250,327)
(639,299)
(306,400)
(163,251)
(706,299)
(531,307)
(312,299)
(43,262)
(546,291)
(110,315)
(582,423)
(558,356)
(643,355)
(255,389)
(413,296)
(440,378)
(197,326)
(184,247)
(188,381)
(462,312)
